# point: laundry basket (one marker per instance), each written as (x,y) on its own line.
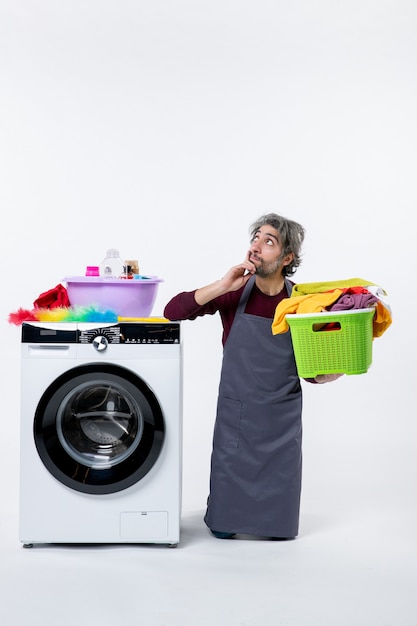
(338,342)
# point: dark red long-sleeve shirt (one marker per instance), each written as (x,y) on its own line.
(184,307)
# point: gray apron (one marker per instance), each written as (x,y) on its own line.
(255,481)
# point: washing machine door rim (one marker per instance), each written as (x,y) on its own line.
(99,428)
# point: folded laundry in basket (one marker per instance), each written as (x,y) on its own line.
(316,302)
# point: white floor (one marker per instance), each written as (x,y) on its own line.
(353,564)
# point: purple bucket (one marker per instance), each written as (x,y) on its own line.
(127,298)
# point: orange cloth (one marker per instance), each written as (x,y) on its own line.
(382,319)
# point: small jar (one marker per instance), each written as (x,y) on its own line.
(134,264)
(127,272)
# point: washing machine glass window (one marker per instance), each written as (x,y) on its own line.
(99,428)
(100,424)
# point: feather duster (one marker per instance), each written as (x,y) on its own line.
(63,314)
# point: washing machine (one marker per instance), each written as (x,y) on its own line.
(101,433)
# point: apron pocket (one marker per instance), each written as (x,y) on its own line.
(227,427)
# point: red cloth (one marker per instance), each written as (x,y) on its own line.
(56,297)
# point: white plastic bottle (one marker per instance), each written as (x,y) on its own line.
(112,265)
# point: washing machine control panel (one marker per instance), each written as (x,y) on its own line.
(131,333)
(100,337)
(127,333)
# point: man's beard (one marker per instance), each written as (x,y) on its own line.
(264,270)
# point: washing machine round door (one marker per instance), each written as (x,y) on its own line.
(99,428)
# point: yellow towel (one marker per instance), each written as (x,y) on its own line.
(307,288)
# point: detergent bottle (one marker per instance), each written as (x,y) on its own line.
(112,265)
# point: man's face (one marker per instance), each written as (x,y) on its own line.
(265,252)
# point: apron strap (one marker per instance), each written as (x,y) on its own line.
(245,295)
(289,286)
(248,288)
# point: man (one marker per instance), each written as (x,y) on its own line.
(255,481)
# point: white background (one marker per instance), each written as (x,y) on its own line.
(164,129)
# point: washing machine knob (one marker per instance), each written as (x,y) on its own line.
(100,343)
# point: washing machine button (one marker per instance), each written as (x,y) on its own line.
(100,343)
